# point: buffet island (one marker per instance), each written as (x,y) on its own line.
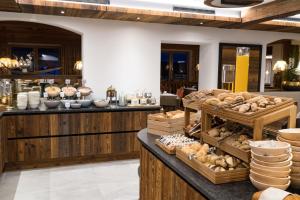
(232,152)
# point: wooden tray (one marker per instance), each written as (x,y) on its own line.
(225,145)
(165,126)
(244,118)
(170,151)
(160,132)
(215,177)
(196,104)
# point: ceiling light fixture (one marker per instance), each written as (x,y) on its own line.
(62,12)
(138,18)
(201,23)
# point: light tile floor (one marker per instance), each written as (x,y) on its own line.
(116,180)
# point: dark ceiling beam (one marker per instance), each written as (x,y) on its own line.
(273,10)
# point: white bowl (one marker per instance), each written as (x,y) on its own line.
(292,142)
(75,105)
(64,102)
(269,179)
(290,134)
(295,169)
(296,156)
(263,186)
(274,164)
(295,149)
(84,102)
(279,174)
(269,147)
(51,103)
(101,103)
(22,107)
(282,168)
(34,106)
(278,158)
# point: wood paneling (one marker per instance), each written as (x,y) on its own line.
(122,13)
(21,126)
(102,11)
(54,148)
(158,182)
(36,35)
(272,10)
(38,140)
(9,5)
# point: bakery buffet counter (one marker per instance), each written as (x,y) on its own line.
(164,176)
(36,138)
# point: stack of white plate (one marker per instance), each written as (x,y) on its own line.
(270,164)
(292,136)
(34,99)
(22,100)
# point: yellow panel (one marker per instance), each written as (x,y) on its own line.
(241,73)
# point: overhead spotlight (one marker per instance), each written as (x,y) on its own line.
(62,12)
(138,18)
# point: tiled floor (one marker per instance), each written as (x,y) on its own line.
(116,180)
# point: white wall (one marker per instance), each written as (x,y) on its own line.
(127,54)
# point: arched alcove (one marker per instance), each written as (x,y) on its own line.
(54,50)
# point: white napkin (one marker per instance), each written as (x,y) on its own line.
(273,194)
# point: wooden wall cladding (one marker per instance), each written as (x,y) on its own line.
(46,149)
(158,182)
(47,139)
(21,126)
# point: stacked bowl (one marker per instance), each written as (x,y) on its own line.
(34,99)
(292,136)
(270,164)
(22,100)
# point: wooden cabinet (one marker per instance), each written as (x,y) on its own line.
(51,139)
(159,182)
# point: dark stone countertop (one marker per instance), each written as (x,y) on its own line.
(80,110)
(242,190)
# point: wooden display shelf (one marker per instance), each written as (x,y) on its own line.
(228,176)
(224,145)
(257,122)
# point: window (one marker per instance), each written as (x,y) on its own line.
(178,66)
(49,61)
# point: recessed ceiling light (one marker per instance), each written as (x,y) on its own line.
(62,12)
(138,18)
(201,23)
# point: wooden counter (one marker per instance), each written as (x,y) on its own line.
(56,137)
(164,176)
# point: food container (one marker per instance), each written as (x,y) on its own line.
(67,101)
(51,104)
(290,134)
(101,103)
(34,99)
(52,91)
(84,102)
(75,105)
(69,91)
(22,100)
(84,91)
(270,147)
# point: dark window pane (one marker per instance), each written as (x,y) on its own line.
(180,62)
(164,66)
(49,59)
(24,56)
